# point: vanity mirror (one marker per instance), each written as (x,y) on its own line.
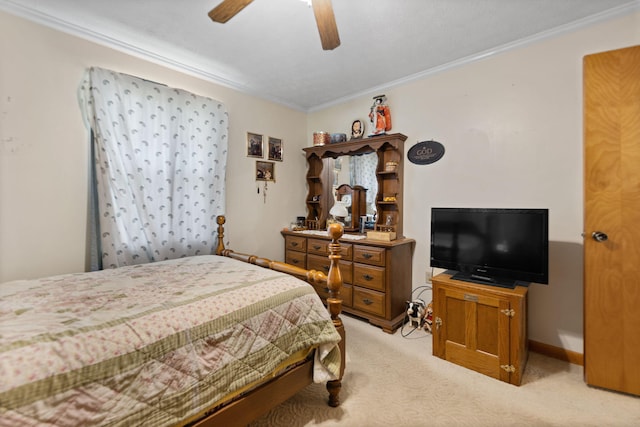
(354,201)
(360,168)
(376,271)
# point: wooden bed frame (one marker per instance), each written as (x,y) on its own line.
(272,393)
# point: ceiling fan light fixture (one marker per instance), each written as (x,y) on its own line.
(322,10)
(227,10)
(326,21)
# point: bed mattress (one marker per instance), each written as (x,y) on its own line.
(151,344)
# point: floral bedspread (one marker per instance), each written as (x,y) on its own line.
(150,344)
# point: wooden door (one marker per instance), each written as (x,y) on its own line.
(612,207)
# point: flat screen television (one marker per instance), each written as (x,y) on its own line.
(493,246)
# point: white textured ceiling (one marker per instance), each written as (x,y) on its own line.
(272,49)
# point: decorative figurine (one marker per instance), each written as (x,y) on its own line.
(380,116)
(357,129)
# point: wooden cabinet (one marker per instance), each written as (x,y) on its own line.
(376,274)
(481,327)
(389,175)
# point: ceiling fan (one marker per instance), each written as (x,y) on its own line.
(322,10)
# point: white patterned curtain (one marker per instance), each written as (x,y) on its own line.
(363,172)
(160,159)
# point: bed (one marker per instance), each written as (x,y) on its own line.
(198,341)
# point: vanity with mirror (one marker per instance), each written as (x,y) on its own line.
(373,165)
(356,182)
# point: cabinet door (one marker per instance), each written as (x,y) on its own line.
(473,332)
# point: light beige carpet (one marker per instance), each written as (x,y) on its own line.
(393,380)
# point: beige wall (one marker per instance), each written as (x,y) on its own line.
(511,125)
(44,152)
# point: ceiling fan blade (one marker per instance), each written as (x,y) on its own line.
(326,22)
(227,10)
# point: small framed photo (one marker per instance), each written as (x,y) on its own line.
(275,149)
(255,145)
(265,171)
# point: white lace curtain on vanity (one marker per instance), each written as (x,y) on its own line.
(159,159)
(363,170)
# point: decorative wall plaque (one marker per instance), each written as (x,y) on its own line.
(425,152)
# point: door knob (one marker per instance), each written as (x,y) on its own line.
(599,236)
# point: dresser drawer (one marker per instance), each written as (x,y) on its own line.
(318,247)
(321,247)
(299,259)
(369,276)
(295,243)
(315,262)
(346,294)
(369,255)
(369,301)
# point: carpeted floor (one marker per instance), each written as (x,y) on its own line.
(393,380)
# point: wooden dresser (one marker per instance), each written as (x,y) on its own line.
(376,274)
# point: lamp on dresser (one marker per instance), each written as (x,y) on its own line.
(337,211)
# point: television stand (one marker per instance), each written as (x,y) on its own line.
(481,327)
(485,280)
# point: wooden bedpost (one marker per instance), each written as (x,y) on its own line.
(334,303)
(333,280)
(220,219)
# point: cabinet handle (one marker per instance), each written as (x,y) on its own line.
(438,323)
(367,277)
(367,301)
(316,247)
(509,368)
(294,261)
(366,255)
(294,244)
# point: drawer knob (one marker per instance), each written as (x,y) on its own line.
(366,255)
(367,277)
(367,301)
(294,244)
(316,247)
(295,261)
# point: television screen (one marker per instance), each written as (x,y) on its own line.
(491,246)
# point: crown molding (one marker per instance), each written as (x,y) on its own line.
(196,67)
(564,29)
(200,69)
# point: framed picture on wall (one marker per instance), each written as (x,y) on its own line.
(255,145)
(265,171)
(275,149)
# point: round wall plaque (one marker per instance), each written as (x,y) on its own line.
(425,152)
